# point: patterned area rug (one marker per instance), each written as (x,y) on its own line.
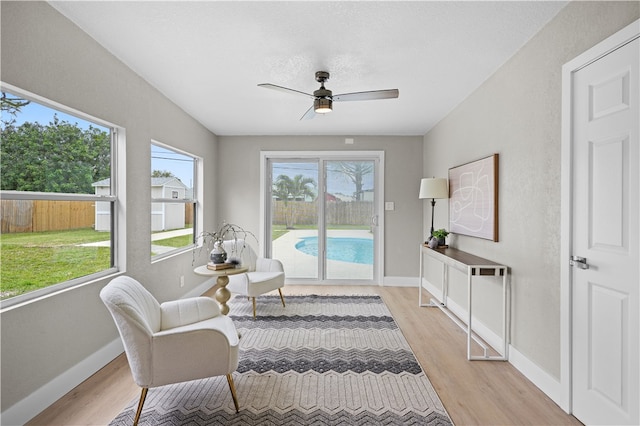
(322,360)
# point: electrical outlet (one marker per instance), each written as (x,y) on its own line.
(181,280)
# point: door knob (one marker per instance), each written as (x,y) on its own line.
(579,262)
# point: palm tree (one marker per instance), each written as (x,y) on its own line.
(293,189)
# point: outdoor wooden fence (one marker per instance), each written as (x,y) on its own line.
(46,215)
(337,213)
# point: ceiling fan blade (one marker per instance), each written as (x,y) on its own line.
(311,113)
(367,96)
(283,89)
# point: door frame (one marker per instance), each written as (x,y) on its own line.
(615,41)
(378,272)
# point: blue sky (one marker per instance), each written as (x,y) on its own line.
(161,159)
(182,165)
(336,182)
(37,113)
(179,164)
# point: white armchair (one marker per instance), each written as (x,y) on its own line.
(263,275)
(172,342)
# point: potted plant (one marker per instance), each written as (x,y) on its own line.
(212,241)
(440,235)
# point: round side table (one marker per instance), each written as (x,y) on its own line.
(222,294)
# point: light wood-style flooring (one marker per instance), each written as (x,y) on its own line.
(474,393)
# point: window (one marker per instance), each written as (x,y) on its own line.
(57,171)
(173,200)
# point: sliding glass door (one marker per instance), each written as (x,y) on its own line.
(349,219)
(294,215)
(321,215)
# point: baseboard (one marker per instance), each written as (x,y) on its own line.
(385,282)
(26,409)
(536,375)
(543,380)
(493,339)
(23,411)
(32,405)
(400,282)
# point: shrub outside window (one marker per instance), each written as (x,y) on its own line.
(50,163)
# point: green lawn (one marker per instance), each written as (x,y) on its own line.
(278,231)
(34,260)
(181,241)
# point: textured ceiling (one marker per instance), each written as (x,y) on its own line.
(209,56)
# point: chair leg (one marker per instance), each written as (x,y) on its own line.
(282,298)
(233,392)
(143,396)
(253,300)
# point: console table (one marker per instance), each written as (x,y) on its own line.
(472,266)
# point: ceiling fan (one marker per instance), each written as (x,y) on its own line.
(323,98)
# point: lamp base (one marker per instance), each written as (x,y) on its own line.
(433,206)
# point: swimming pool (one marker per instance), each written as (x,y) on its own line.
(354,250)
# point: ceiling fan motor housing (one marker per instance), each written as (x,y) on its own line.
(322,93)
(323,97)
(322,76)
(323,102)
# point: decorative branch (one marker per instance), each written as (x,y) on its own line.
(228,231)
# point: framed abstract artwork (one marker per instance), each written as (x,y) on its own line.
(473,198)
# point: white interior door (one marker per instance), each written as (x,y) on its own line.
(605,232)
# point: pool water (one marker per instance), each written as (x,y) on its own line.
(354,250)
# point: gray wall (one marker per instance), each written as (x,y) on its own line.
(44,53)
(239,185)
(516,113)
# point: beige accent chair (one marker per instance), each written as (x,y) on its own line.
(263,275)
(172,342)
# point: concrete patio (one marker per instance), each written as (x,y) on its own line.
(156,249)
(299,265)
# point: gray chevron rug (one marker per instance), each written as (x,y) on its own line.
(322,360)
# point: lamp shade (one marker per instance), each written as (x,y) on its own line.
(434,188)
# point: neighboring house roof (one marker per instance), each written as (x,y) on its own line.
(343,197)
(103,182)
(155,181)
(164,181)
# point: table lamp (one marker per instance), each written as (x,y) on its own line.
(434,188)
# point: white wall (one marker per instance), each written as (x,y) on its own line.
(50,343)
(516,113)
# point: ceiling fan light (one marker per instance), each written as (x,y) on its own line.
(322,105)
